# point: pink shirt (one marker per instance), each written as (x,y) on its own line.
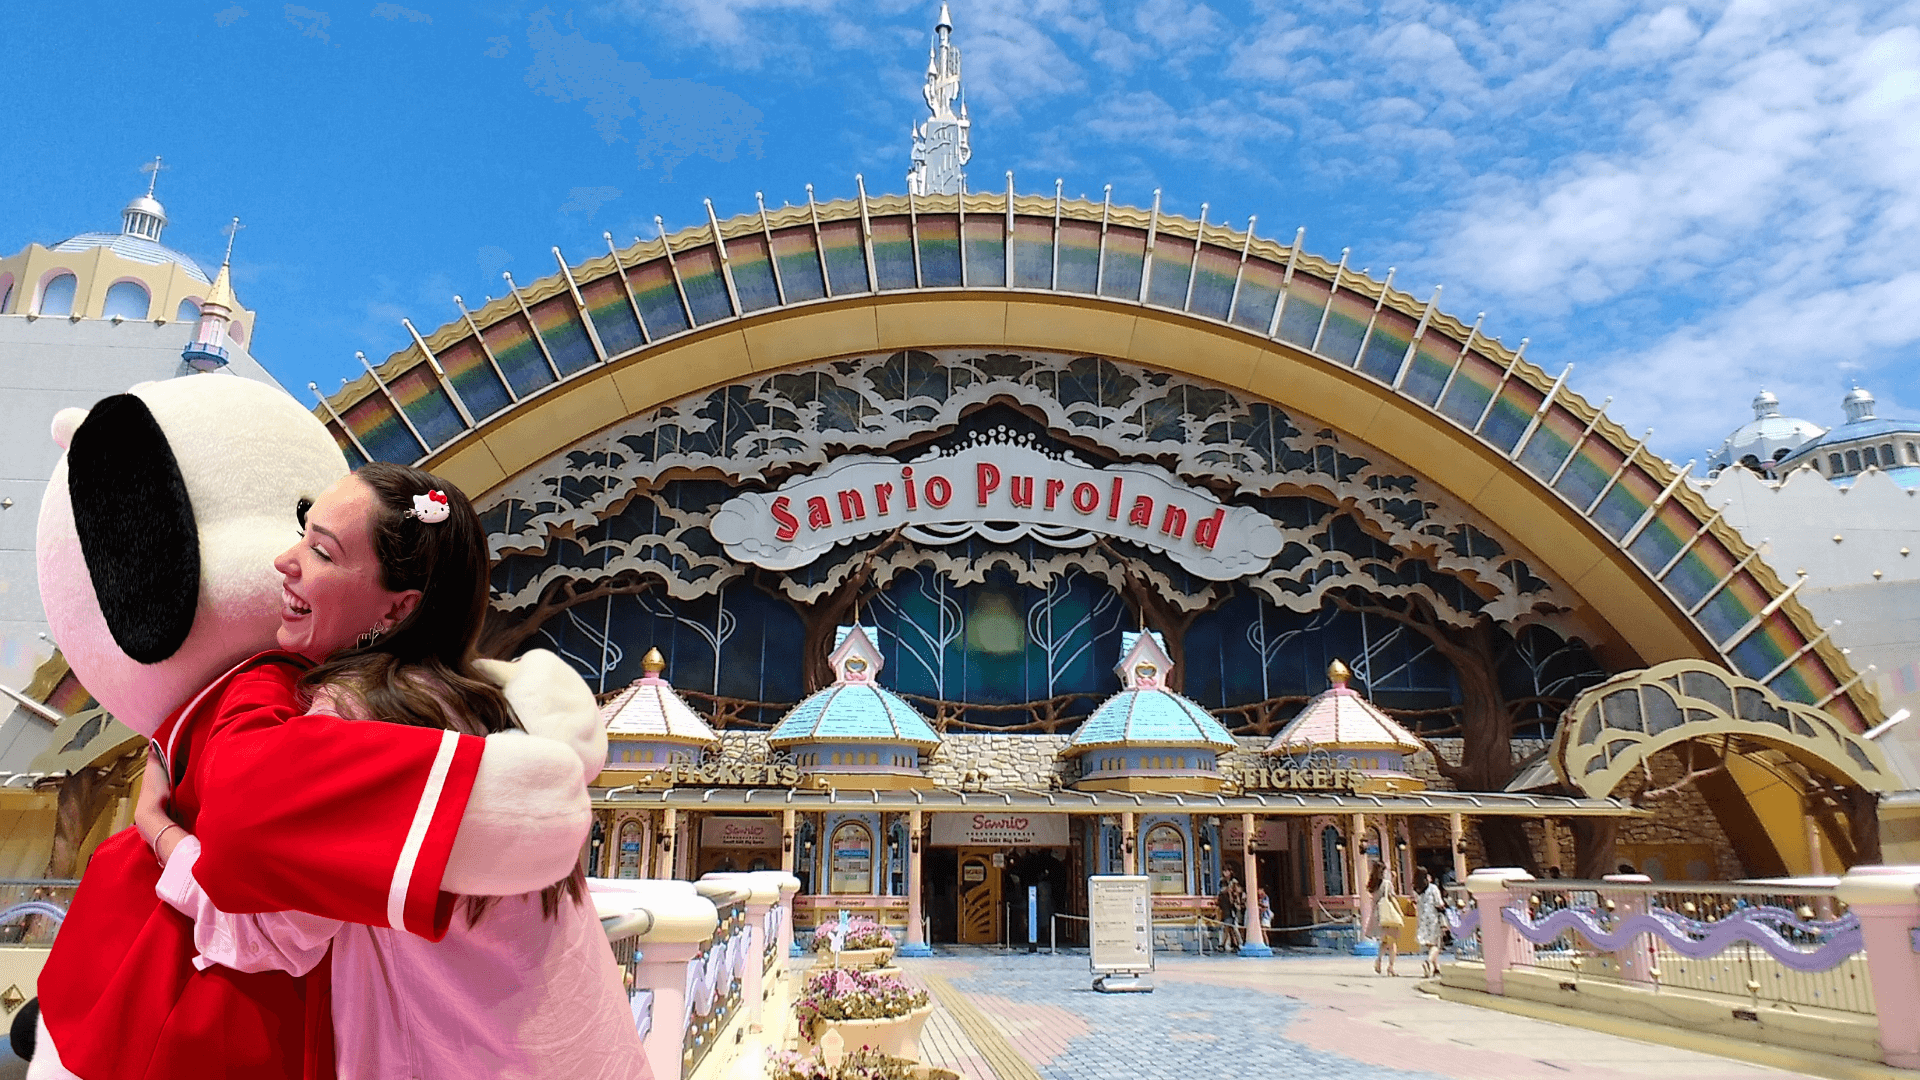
(515,996)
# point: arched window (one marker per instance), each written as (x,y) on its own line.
(1834,467)
(897,859)
(1167,859)
(633,850)
(1853,461)
(1887,460)
(1869,457)
(851,859)
(189,311)
(56,296)
(1913,454)
(1333,862)
(127,299)
(803,854)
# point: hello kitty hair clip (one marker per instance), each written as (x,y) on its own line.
(431,508)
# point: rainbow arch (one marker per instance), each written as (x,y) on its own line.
(499,389)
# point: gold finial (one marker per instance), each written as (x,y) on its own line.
(653,663)
(1337,672)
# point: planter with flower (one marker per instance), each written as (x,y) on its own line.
(860,1064)
(866,1009)
(865,946)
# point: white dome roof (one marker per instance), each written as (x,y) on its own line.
(1766,437)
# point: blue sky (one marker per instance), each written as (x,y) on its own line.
(1687,202)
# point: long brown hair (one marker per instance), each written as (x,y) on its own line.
(421,671)
(1374,879)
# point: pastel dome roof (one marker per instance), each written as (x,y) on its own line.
(1157,716)
(1340,719)
(651,708)
(854,708)
(854,712)
(1145,712)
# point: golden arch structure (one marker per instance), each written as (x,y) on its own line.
(492,394)
(1791,765)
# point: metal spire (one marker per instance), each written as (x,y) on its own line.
(232,231)
(940,147)
(153,174)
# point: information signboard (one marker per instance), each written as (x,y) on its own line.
(1121,913)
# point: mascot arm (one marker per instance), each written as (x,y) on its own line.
(289,941)
(551,701)
(526,822)
(339,818)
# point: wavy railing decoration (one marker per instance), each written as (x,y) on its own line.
(33,907)
(431,395)
(1691,939)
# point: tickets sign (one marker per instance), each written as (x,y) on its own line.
(1001,491)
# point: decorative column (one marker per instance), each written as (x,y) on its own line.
(669,841)
(1457,831)
(1497,939)
(1254,942)
(786,842)
(1638,960)
(763,895)
(1550,839)
(916,930)
(1357,869)
(1887,901)
(1129,864)
(682,922)
(1316,857)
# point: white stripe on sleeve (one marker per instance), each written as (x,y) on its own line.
(417,834)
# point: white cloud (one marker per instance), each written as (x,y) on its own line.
(394,12)
(1686,199)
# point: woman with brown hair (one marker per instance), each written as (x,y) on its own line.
(1384,919)
(389,584)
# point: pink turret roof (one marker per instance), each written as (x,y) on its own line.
(1341,719)
(651,708)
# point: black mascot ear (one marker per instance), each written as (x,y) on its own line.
(136,527)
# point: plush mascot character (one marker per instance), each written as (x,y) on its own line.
(156,542)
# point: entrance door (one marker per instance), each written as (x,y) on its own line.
(979,897)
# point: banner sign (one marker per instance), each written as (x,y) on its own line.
(1121,915)
(1269,834)
(740,832)
(998,830)
(1000,491)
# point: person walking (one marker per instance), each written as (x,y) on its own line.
(1228,904)
(1385,920)
(1430,923)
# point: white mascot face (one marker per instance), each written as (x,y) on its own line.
(159,529)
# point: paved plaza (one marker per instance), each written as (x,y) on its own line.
(1020,1017)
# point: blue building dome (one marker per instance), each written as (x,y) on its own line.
(856,712)
(1144,711)
(1146,737)
(856,732)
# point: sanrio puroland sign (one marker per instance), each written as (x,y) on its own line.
(1001,491)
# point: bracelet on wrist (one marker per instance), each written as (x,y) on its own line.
(156,840)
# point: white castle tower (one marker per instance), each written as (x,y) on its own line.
(940,149)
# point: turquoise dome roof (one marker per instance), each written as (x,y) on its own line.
(1159,717)
(854,712)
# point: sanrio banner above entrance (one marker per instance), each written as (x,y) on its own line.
(1000,491)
